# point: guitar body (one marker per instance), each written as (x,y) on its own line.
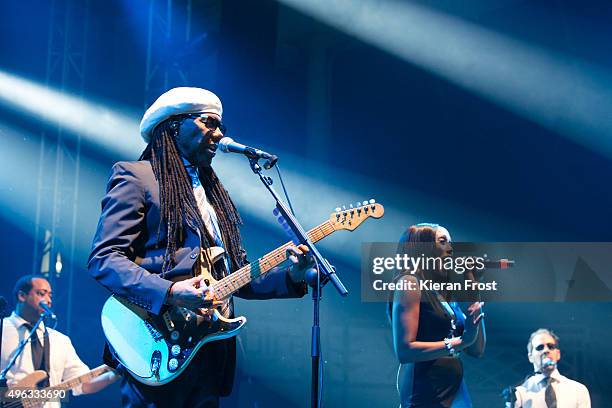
(30,381)
(156,349)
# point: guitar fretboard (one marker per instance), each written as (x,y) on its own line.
(243,276)
(72,383)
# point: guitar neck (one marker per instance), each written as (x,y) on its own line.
(243,276)
(75,382)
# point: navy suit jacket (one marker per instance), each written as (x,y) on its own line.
(129,246)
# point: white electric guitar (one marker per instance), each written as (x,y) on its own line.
(155,349)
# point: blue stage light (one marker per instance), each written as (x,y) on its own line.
(558,92)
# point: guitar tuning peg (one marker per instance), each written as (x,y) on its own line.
(344,208)
(372,201)
(338,209)
(365,202)
(358,204)
(351,206)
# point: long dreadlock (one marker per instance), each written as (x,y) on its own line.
(178,203)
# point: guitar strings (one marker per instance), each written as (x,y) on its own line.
(226,286)
(243,276)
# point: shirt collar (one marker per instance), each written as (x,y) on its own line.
(192,170)
(555,375)
(19,321)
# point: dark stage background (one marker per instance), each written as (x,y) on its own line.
(349,118)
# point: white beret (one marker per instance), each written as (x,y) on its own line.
(178,101)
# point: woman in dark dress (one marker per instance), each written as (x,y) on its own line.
(429,330)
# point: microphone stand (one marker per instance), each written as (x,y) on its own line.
(20,349)
(317,278)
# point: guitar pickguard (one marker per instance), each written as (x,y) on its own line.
(162,345)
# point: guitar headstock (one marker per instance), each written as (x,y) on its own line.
(352,217)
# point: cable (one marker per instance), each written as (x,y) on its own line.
(280,177)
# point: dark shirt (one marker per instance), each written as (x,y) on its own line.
(433,383)
(436,382)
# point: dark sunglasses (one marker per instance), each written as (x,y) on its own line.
(210,122)
(551,346)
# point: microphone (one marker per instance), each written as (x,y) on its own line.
(499,264)
(47,310)
(548,362)
(227,145)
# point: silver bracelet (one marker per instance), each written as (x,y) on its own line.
(449,347)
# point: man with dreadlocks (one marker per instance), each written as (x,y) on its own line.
(157,215)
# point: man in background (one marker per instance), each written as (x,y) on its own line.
(49,350)
(547,388)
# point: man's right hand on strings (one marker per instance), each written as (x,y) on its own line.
(192,294)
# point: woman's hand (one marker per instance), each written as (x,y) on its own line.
(472,321)
(475,312)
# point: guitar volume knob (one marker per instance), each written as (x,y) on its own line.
(175,350)
(173,364)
